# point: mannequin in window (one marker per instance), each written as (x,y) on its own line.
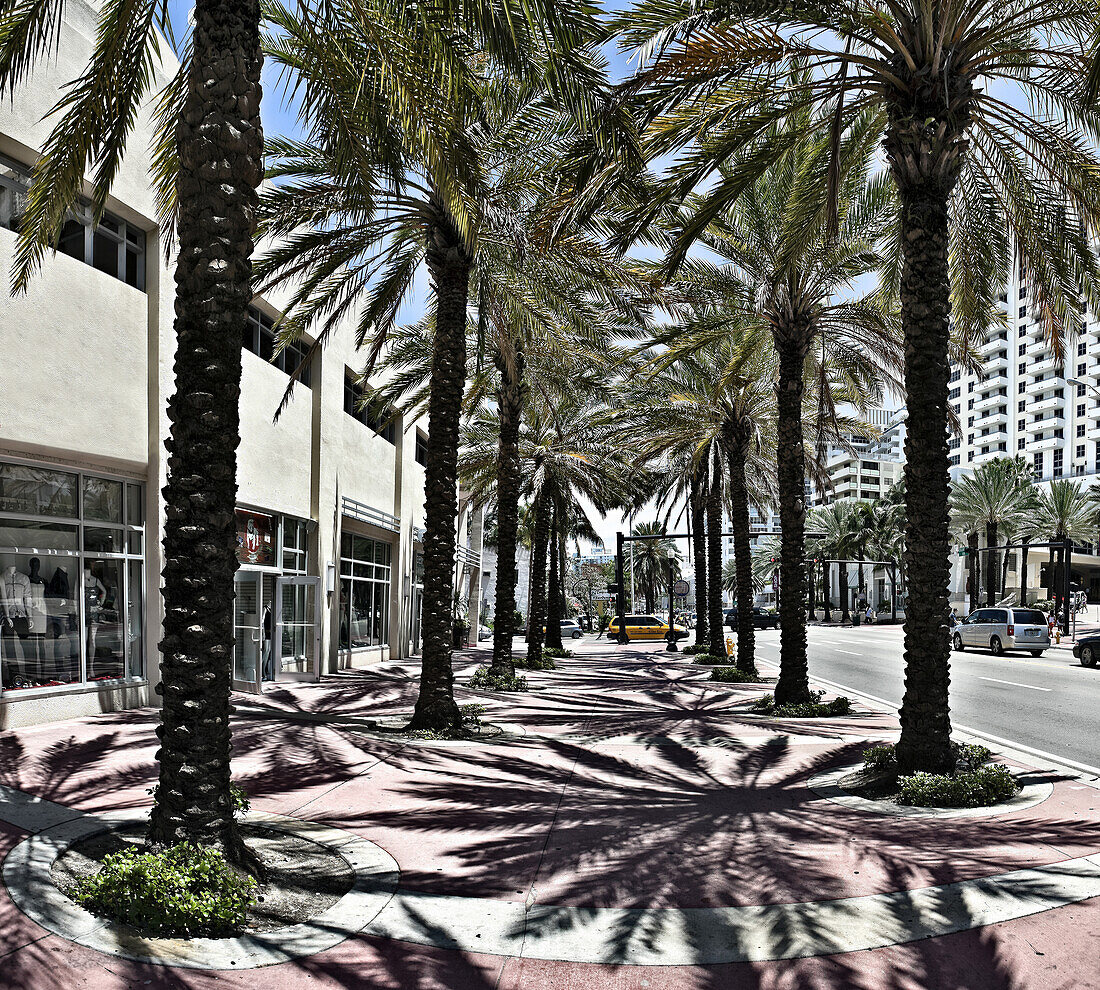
(94,595)
(37,612)
(265,646)
(15,603)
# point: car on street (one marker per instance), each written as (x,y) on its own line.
(570,629)
(645,627)
(762,618)
(1087,650)
(1001,629)
(484,632)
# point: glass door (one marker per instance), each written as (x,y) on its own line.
(297,642)
(247,631)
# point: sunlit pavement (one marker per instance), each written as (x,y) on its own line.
(632,826)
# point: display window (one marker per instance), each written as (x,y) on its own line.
(71,578)
(365,565)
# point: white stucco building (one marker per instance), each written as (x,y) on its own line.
(330,503)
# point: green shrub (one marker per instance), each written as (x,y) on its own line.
(694,648)
(543,663)
(556,653)
(709,658)
(810,709)
(494,682)
(734,675)
(185,890)
(471,715)
(968,756)
(966,789)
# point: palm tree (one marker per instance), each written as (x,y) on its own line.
(977,179)
(714,403)
(652,557)
(841,529)
(1064,512)
(381,192)
(998,497)
(213,101)
(797,264)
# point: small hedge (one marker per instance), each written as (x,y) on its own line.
(810,709)
(968,756)
(495,682)
(709,658)
(186,890)
(694,648)
(966,789)
(543,663)
(734,675)
(556,653)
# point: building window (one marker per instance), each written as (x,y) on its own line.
(381,419)
(114,247)
(955,375)
(1022,387)
(1057,464)
(1023,348)
(1023,312)
(1080,429)
(1021,423)
(421,451)
(71,578)
(1080,451)
(969,420)
(1081,368)
(1020,443)
(953,394)
(1037,464)
(1080,409)
(954,460)
(970,386)
(970,404)
(1082,349)
(364,592)
(295,546)
(259,338)
(1022,405)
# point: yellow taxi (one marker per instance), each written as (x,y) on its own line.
(647,627)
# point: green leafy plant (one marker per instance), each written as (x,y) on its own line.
(708,658)
(968,756)
(494,682)
(558,654)
(734,675)
(471,716)
(693,648)
(184,890)
(966,789)
(811,709)
(544,663)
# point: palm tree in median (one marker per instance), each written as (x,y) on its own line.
(979,179)
(652,556)
(1063,511)
(380,192)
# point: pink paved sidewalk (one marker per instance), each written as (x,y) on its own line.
(625,780)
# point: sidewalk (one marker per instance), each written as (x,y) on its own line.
(632,826)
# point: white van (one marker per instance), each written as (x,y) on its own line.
(1000,629)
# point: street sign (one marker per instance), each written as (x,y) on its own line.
(964,552)
(680,588)
(775,581)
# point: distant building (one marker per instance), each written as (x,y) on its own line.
(873,466)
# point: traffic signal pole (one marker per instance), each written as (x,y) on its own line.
(672,647)
(620,590)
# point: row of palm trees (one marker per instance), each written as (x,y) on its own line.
(483,145)
(1001,504)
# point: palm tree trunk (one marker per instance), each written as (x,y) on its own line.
(736,451)
(827,592)
(925,742)
(1023,570)
(449,266)
(217,210)
(973,565)
(699,552)
(792,342)
(714,563)
(553,598)
(1004,569)
(510,364)
(536,614)
(845,615)
(991,564)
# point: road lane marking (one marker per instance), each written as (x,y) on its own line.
(849,652)
(997,680)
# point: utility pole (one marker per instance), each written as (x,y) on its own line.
(672,648)
(620,590)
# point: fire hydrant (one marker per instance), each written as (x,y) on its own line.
(729,646)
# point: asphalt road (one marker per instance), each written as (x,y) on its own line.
(1051,703)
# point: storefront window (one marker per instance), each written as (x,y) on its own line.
(364,592)
(295,546)
(71,595)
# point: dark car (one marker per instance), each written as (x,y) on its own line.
(1087,650)
(762,618)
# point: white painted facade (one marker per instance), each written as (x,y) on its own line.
(84,383)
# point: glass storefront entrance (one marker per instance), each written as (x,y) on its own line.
(247,630)
(297,641)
